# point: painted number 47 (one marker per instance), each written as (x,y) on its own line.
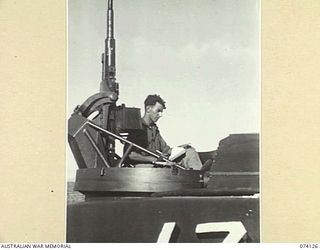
(235,230)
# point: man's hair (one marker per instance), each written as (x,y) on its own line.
(153,99)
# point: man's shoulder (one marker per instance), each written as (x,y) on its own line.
(151,126)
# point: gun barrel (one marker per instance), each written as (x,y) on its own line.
(109,56)
(110,4)
(110,19)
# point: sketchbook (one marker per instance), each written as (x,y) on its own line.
(176,152)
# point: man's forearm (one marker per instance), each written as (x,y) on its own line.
(142,158)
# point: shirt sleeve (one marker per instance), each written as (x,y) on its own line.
(163,145)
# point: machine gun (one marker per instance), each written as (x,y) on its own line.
(103,105)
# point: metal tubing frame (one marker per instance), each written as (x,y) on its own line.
(131,144)
(94,145)
(125,155)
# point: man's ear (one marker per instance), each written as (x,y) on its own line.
(148,108)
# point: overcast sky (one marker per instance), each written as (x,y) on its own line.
(201,56)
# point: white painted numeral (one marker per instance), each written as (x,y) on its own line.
(235,228)
(166,232)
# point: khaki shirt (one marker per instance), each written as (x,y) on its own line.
(150,139)
(154,139)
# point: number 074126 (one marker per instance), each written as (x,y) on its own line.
(312,246)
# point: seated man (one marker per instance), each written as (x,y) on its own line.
(152,140)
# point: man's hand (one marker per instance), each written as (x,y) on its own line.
(185,146)
(163,155)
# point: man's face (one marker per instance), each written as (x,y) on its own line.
(155,112)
